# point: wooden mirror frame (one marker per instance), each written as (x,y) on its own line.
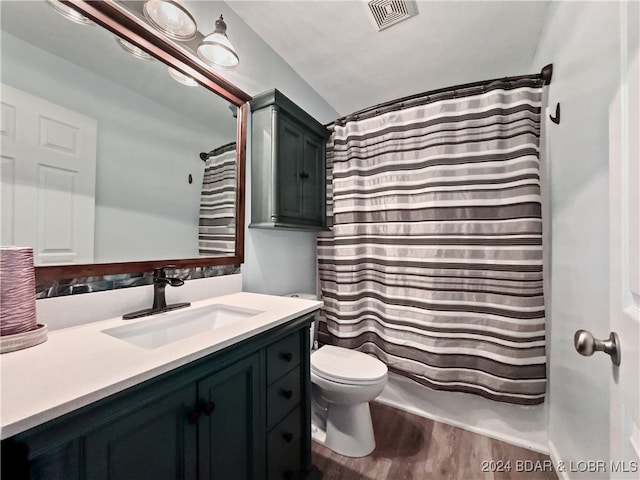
(115,17)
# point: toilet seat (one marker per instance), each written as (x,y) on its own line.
(342,365)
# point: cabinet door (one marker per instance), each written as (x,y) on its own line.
(288,170)
(40,460)
(150,441)
(313,181)
(228,431)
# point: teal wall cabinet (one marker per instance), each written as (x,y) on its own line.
(241,413)
(288,180)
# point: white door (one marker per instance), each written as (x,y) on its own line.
(47,178)
(625,255)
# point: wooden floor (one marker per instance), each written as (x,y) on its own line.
(409,447)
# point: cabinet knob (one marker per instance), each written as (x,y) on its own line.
(208,408)
(287,394)
(194,416)
(287,356)
(287,437)
(304,175)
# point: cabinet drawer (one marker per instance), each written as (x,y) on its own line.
(285,434)
(283,356)
(288,466)
(283,396)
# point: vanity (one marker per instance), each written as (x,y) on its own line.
(217,390)
(97,402)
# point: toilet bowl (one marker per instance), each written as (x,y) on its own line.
(344,382)
(347,381)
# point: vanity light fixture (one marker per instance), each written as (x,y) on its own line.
(216,49)
(180,77)
(172,18)
(69,13)
(133,50)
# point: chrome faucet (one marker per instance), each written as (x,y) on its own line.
(160,281)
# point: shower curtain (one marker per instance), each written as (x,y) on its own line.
(216,232)
(433,261)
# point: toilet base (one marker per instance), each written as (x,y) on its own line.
(350,430)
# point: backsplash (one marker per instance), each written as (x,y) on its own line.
(74,286)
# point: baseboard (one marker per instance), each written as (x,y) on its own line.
(556,459)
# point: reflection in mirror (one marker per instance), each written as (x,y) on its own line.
(101,149)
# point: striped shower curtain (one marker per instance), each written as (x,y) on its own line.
(433,262)
(216,232)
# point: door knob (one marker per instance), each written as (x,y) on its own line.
(287,394)
(208,408)
(586,345)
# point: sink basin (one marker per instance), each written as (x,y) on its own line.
(169,327)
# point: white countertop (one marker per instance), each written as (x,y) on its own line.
(80,365)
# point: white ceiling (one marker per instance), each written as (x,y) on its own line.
(336,47)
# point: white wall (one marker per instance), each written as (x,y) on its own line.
(276,262)
(145,208)
(581,39)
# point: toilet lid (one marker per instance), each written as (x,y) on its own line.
(346,366)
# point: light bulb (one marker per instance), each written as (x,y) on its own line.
(172,18)
(180,77)
(69,13)
(216,49)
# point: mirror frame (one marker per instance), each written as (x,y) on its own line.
(117,18)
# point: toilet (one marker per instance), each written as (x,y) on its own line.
(343,381)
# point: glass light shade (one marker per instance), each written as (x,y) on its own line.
(69,13)
(216,49)
(133,50)
(172,18)
(182,78)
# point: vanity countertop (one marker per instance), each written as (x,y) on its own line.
(80,365)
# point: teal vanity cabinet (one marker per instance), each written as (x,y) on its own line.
(288,180)
(241,413)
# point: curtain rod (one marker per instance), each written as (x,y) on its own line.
(545,76)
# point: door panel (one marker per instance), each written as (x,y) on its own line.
(290,150)
(312,185)
(48,178)
(7,188)
(228,437)
(151,442)
(624,162)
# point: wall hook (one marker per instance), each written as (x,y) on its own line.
(556,118)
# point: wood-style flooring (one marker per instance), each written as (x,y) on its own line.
(409,447)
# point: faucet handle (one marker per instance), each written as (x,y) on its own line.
(160,271)
(159,276)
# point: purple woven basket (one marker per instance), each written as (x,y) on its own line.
(17,291)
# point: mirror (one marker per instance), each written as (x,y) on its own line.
(116,181)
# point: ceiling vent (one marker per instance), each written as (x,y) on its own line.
(390,12)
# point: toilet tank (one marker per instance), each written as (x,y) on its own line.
(314,325)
